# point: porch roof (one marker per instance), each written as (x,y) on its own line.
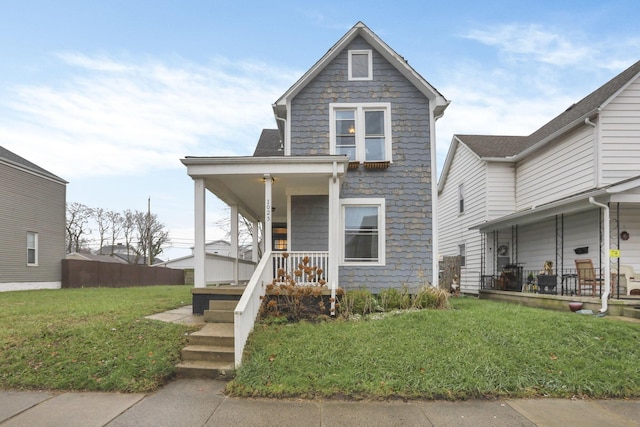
(626,191)
(238,181)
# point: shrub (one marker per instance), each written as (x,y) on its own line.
(431,297)
(393,299)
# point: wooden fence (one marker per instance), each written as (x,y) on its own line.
(94,274)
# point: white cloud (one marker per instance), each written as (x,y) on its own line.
(115,117)
(529,42)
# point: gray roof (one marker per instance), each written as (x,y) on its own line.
(483,145)
(269,144)
(495,145)
(21,162)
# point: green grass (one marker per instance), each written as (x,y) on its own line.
(480,349)
(90,339)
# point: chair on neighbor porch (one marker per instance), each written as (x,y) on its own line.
(587,278)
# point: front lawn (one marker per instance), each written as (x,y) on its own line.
(479,349)
(90,339)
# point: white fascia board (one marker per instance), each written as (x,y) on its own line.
(30,171)
(204,166)
(447,162)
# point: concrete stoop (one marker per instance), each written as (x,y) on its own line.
(210,351)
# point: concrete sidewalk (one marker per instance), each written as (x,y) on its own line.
(198,402)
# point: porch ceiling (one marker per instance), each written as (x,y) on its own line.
(240,180)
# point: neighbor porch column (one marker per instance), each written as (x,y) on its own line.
(199,256)
(268,204)
(234,241)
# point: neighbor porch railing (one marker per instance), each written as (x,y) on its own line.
(305,268)
(567,282)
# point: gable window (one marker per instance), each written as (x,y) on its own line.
(461,199)
(360,65)
(32,248)
(363,227)
(361,131)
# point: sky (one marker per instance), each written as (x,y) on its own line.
(111,94)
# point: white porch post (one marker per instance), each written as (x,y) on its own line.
(268,204)
(256,242)
(199,272)
(334,238)
(234,241)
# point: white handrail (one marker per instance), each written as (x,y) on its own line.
(248,307)
(291,261)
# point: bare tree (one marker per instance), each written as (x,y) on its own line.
(115,225)
(245,231)
(100,217)
(78,216)
(129,229)
(152,235)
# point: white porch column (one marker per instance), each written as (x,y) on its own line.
(234,241)
(255,243)
(334,238)
(268,204)
(199,256)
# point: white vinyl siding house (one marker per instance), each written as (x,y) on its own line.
(564,178)
(563,168)
(469,172)
(619,128)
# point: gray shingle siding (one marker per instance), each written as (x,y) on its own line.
(406,184)
(309,223)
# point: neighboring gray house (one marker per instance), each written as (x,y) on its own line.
(568,191)
(32,225)
(346,179)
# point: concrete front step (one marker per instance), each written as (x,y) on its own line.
(204,369)
(208,353)
(219,316)
(632,312)
(229,305)
(213,334)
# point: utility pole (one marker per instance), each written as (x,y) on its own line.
(149,230)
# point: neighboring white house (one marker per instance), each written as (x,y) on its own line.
(570,190)
(32,225)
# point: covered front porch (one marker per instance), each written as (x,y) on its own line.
(587,245)
(292,204)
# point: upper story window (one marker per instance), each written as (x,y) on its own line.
(362,131)
(360,65)
(32,248)
(461,199)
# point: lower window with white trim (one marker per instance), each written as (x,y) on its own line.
(32,248)
(363,231)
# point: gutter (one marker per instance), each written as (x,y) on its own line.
(607,267)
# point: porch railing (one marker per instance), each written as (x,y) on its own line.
(304,268)
(567,282)
(248,307)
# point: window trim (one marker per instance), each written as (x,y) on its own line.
(462,252)
(369,54)
(379,203)
(360,110)
(461,206)
(34,248)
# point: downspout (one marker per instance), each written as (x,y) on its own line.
(284,122)
(607,267)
